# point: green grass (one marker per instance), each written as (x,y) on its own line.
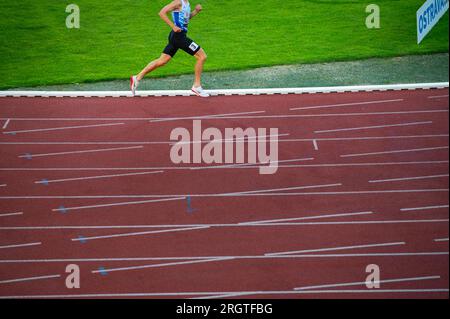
(118,38)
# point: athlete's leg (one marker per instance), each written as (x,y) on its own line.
(201,58)
(161,61)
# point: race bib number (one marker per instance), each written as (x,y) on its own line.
(193,46)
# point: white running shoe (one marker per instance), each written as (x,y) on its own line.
(134,83)
(199,91)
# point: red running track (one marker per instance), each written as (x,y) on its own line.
(362,179)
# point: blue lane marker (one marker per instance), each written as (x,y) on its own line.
(62,209)
(103,271)
(82,239)
(44,182)
(189,205)
(28,156)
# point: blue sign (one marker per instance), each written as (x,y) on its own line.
(429,15)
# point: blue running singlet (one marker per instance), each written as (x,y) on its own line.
(181,18)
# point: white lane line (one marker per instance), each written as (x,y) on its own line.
(176,229)
(336,248)
(316,292)
(28,279)
(401,191)
(441,239)
(423,208)
(239,117)
(316,145)
(249,224)
(237,294)
(297,116)
(11,214)
(305,218)
(366,222)
(120,204)
(229,140)
(81,152)
(94,177)
(398,151)
(160,265)
(345,104)
(180,196)
(139,233)
(62,128)
(20,245)
(300,116)
(253,165)
(264,192)
(242,257)
(75,169)
(383,281)
(213,116)
(361,164)
(280,140)
(229,293)
(6,124)
(373,127)
(438,96)
(407,178)
(333,291)
(359,138)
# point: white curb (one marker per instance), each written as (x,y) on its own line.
(330,89)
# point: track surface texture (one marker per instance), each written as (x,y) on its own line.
(362,179)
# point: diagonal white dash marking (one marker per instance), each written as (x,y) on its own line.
(121,204)
(363,283)
(398,151)
(373,127)
(202,116)
(6,124)
(11,214)
(20,245)
(82,152)
(316,145)
(62,128)
(304,218)
(345,104)
(94,177)
(163,265)
(408,178)
(336,248)
(28,279)
(139,233)
(423,208)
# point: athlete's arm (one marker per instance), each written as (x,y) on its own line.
(197,10)
(169,8)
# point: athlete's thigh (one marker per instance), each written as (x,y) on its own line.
(188,45)
(171,48)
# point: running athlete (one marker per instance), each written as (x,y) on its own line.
(181,15)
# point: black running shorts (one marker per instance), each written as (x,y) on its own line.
(179,40)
